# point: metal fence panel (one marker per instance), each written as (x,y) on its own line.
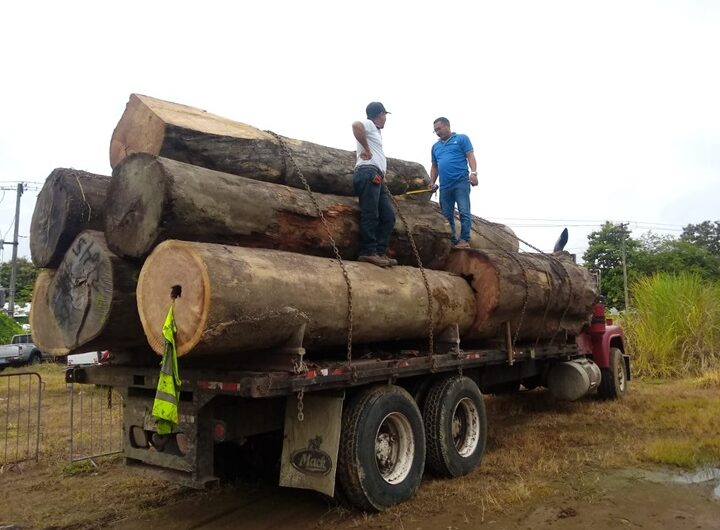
(96,422)
(20,406)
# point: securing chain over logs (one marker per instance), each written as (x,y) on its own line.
(300,405)
(318,210)
(525,301)
(408,233)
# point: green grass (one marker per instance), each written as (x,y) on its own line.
(673,329)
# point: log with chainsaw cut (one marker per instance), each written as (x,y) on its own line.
(153,199)
(545,295)
(91,299)
(70,201)
(197,137)
(235,299)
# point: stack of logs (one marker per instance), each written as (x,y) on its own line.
(244,225)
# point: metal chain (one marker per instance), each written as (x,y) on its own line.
(430,317)
(549,256)
(300,405)
(318,210)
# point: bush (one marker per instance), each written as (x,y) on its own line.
(8,328)
(673,328)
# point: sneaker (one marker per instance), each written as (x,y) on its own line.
(462,244)
(380,261)
(391,261)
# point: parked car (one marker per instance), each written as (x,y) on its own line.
(20,351)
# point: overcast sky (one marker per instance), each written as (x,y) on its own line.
(579,111)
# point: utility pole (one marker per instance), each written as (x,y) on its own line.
(13,271)
(624,265)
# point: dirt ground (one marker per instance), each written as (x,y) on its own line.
(619,499)
(588,464)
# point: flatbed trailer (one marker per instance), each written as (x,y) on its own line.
(364,429)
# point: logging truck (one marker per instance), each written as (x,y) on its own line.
(365,376)
(362,424)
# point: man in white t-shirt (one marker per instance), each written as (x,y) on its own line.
(377,217)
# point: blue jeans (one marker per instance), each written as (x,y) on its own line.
(377,217)
(458,194)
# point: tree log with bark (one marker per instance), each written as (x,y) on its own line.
(153,199)
(197,137)
(91,298)
(236,299)
(70,201)
(542,295)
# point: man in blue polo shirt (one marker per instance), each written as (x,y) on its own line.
(451,156)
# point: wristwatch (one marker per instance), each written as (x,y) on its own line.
(473,172)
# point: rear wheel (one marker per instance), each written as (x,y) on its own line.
(455,426)
(613,384)
(382,448)
(35,357)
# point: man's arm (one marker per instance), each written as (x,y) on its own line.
(433,176)
(361,136)
(473,167)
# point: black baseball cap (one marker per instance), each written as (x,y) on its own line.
(375,108)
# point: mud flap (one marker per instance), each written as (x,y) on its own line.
(310,446)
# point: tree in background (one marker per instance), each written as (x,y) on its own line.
(705,234)
(8,328)
(696,252)
(665,254)
(24,279)
(605,255)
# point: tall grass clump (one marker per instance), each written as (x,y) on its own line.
(673,328)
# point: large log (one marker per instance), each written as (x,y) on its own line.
(236,299)
(69,202)
(560,294)
(45,331)
(153,199)
(92,297)
(197,137)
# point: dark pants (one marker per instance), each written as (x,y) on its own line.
(377,217)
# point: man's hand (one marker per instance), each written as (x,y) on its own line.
(473,180)
(365,155)
(432,186)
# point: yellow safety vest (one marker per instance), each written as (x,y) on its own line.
(167,396)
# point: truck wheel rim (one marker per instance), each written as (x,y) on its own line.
(394,448)
(621,376)
(465,427)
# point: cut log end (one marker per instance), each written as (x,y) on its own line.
(126,140)
(81,293)
(132,218)
(174,269)
(45,331)
(48,225)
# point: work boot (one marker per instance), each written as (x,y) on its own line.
(380,261)
(462,244)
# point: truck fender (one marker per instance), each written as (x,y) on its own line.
(311,442)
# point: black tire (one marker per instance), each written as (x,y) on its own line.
(382,448)
(614,382)
(455,426)
(35,357)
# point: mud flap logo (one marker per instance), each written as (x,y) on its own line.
(312,460)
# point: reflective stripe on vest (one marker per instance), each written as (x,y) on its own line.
(165,406)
